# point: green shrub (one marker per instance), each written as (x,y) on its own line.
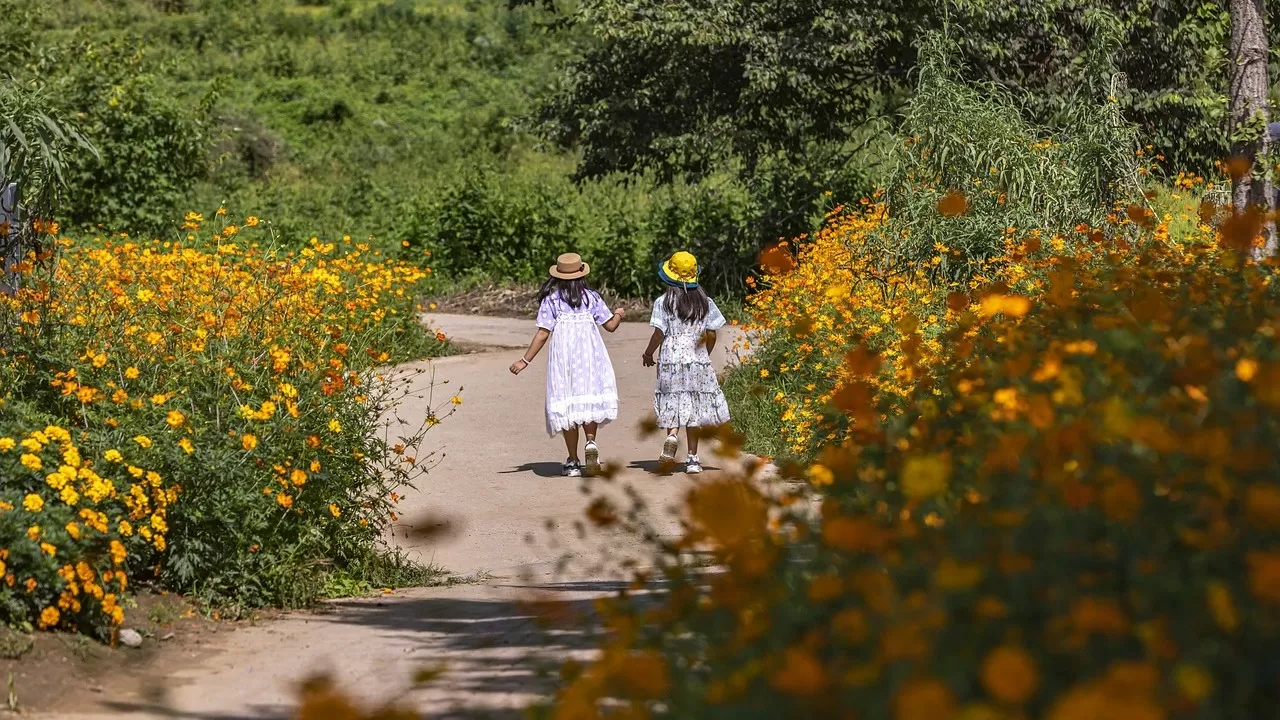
(151,148)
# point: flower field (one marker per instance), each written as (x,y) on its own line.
(1047,493)
(208,414)
(832,295)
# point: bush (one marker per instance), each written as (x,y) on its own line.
(1070,511)
(229,399)
(974,140)
(151,149)
(512,225)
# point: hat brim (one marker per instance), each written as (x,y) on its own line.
(665,274)
(554,271)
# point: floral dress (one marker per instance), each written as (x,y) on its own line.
(581,387)
(687,393)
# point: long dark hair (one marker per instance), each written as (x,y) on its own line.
(690,305)
(573,292)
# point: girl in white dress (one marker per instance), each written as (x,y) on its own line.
(687,394)
(581,388)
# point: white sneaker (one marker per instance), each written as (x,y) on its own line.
(669,449)
(693,465)
(572,468)
(593,457)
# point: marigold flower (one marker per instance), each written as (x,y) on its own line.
(33,503)
(142,441)
(49,617)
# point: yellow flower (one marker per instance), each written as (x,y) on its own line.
(251,221)
(456,400)
(6,444)
(187,447)
(73,529)
(925,476)
(1193,682)
(118,553)
(288,390)
(821,475)
(315,466)
(48,549)
(285,501)
(132,373)
(31,462)
(69,495)
(142,440)
(175,419)
(49,617)
(1246,369)
(335,426)
(113,456)
(248,441)
(159,399)
(298,477)
(33,503)
(334,510)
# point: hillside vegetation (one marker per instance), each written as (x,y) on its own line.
(396,119)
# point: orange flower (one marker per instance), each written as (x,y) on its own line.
(801,673)
(924,699)
(1264,575)
(1010,675)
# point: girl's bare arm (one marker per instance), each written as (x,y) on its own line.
(655,341)
(612,323)
(535,347)
(709,337)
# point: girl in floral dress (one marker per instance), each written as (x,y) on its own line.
(581,388)
(687,394)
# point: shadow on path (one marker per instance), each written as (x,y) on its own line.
(262,712)
(654,467)
(541,469)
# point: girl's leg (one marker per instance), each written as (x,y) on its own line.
(593,452)
(571,442)
(691,433)
(669,445)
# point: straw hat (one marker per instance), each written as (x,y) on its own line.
(569,266)
(680,270)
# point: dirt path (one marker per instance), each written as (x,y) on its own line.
(499,481)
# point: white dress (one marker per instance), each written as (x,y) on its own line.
(687,393)
(581,387)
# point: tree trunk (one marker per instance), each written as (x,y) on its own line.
(1250,119)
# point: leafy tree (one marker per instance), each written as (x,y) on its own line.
(681,85)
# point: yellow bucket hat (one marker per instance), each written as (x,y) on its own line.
(680,270)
